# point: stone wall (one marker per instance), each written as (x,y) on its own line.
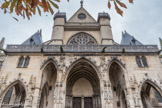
(31,76)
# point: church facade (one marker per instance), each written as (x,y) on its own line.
(81,67)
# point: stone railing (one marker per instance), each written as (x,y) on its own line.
(82,49)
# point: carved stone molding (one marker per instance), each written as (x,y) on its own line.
(3,79)
(116,58)
(62,65)
(50,58)
(152,80)
(32,83)
(13,82)
(58,93)
(136,101)
(82,48)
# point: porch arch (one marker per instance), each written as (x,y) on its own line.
(82,71)
(47,61)
(14,95)
(118,84)
(151,94)
(47,85)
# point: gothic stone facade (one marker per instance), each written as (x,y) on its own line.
(81,67)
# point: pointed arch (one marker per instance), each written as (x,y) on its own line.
(47,83)
(47,61)
(153,83)
(14,95)
(83,59)
(116,75)
(151,94)
(11,85)
(116,60)
(82,72)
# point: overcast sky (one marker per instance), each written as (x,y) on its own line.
(143,20)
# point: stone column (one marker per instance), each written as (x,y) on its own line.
(58,95)
(129,93)
(82,102)
(107,96)
(36,98)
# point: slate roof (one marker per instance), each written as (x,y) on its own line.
(127,39)
(35,39)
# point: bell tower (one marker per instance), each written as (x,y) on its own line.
(105,28)
(58,28)
(82,22)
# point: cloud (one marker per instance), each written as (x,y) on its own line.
(142,20)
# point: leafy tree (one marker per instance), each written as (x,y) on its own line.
(27,8)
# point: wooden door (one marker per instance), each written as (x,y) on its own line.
(77,102)
(88,102)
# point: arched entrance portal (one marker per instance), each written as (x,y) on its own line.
(150,95)
(48,81)
(117,80)
(14,97)
(83,87)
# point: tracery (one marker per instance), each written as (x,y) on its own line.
(82,39)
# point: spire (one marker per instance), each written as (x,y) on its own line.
(2,42)
(81,3)
(160,42)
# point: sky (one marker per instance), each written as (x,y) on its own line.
(143,20)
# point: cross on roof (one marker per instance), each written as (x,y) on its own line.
(81,3)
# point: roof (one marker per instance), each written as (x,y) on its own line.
(127,39)
(35,39)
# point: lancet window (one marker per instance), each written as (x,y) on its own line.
(141,61)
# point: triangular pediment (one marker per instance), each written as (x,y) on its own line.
(88,17)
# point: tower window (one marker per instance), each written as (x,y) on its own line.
(141,61)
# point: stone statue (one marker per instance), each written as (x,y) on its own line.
(106,95)
(56,93)
(110,95)
(136,99)
(128,103)
(30,100)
